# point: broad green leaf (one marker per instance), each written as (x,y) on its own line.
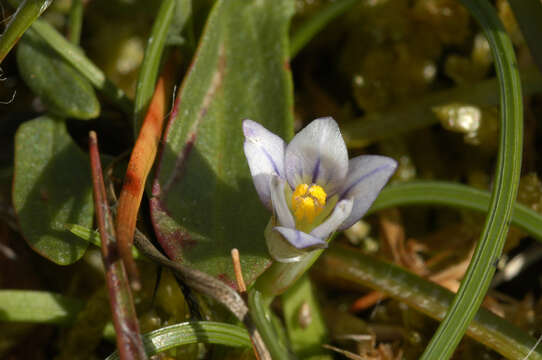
(51,187)
(204,202)
(59,85)
(31,306)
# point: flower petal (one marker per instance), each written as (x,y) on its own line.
(317,155)
(299,239)
(280,249)
(278,198)
(332,223)
(265,155)
(367,175)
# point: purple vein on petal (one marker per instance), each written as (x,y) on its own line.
(268,156)
(316,171)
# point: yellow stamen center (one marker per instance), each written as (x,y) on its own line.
(308,202)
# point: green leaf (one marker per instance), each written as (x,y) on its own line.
(59,85)
(204,202)
(51,187)
(192,332)
(75,57)
(38,307)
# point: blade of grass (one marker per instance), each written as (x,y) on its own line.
(129,340)
(193,332)
(528,14)
(27,12)
(30,306)
(480,272)
(74,55)
(93,237)
(418,113)
(313,25)
(455,195)
(148,73)
(75,21)
(340,263)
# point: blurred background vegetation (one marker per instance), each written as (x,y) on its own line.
(410,79)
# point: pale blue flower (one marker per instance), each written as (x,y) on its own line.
(310,185)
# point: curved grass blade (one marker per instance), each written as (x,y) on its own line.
(208,332)
(27,12)
(418,113)
(312,26)
(148,72)
(43,307)
(455,195)
(125,321)
(528,14)
(74,56)
(346,264)
(480,272)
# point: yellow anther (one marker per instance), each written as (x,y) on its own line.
(308,202)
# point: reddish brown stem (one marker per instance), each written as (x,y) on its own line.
(140,164)
(129,341)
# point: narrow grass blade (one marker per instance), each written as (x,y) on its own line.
(75,21)
(93,237)
(27,12)
(207,332)
(455,195)
(480,272)
(148,73)
(312,26)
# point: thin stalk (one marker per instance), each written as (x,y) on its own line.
(27,12)
(129,340)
